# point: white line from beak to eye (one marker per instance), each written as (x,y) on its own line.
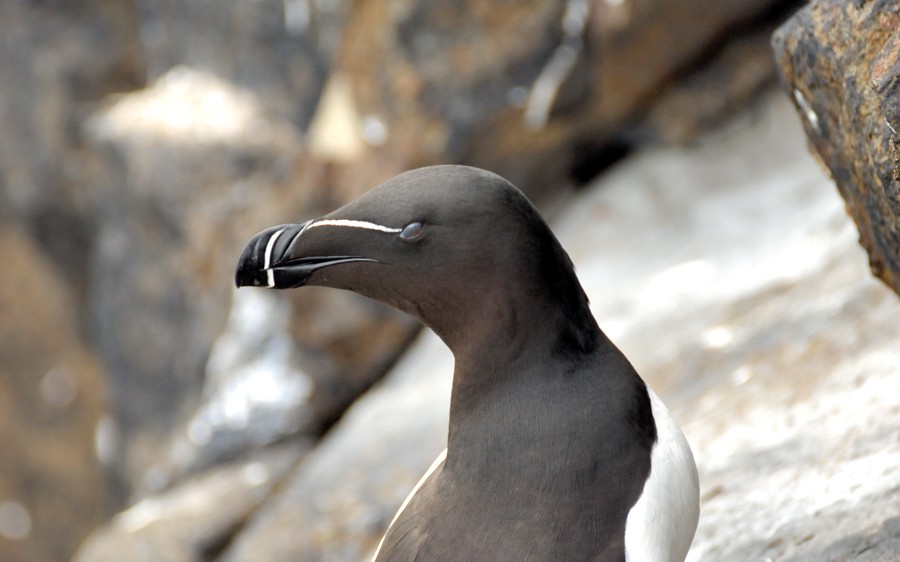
(305,226)
(270,275)
(354,224)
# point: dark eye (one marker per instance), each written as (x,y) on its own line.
(412,231)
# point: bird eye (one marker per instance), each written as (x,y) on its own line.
(412,231)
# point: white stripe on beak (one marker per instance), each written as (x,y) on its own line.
(270,275)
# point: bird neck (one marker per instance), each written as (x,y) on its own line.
(538,379)
(520,323)
(547,423)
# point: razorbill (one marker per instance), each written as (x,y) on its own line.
(557,450)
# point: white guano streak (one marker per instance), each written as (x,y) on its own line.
(270,275)
(354,224)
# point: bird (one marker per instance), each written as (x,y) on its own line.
(556,448)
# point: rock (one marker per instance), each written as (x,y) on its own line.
(191,150)
(51,403)
(741,296)
(340,498)
(59,61)
(840,62)
(279,49)
(203,165)
(736,73)
(192,521)
(254,392)
(529,90)
(346,343)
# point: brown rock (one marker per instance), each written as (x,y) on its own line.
(740,70)
(53,489)
(886,81)
(59,59)
(517,87)
(840,63)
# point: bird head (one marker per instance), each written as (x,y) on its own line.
(443,243)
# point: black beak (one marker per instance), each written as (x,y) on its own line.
(267,260)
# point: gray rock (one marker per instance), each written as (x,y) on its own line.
(340,498)
(281,50)
(750,309)
(191,150)
(59,61)
(192,520)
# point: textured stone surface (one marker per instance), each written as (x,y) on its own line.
(840,62)
(748,306)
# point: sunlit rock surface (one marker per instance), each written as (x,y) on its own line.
(190,522)
(338,501)
(731,276)
(729,273)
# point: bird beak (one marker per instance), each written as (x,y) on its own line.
(268,260)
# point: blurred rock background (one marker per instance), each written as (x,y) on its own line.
(143,141)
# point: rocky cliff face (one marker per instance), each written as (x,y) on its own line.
(840,63)
(143,142)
